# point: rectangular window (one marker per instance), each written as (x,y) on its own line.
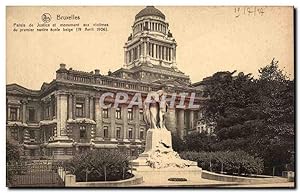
(105,132)
(14,133)
(118,132)
(31,115)
(47,111)
(130,114)
(31,152)
(130,134)
(13,113)
(83,134)
(31,134)
(118,113)
(79,109)
(53,107)
(141,115)
(105,112)
(142,134)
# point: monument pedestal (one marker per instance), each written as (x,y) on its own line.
(161,162)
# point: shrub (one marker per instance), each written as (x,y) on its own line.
(12,153)
(230,162)
(99,165)
(13,159)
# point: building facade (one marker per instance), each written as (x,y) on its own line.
(65,116)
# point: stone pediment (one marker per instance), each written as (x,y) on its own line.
(15,89)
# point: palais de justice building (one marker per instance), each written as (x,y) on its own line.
(65,115)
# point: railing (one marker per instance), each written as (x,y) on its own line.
(111,81)
(41,173)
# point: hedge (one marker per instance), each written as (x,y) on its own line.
(99,165)
(230,162)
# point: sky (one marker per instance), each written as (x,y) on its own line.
(209,39)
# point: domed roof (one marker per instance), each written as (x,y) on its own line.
(150,11)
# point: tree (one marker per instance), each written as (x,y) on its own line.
(234,106)
(13,158)
(13,154)
(199,142)
(254,115)
(272,72)
(177,143)
(277,103)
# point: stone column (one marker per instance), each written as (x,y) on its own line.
(171,120)
(111,131)
(98,119)
(8,113)
(180,122)
(145,49)
(86,109)
(74,107)
(138,51)
(125,124)
(174,54)
(128,55)
(150,49)
(70,104)
(191,124)
(52,108)
(18,113)
(24,111)
(154,50)
(136,112)
(167,51)
(61,113)
(91,107)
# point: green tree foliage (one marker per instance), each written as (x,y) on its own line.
(256,116)
(99,165)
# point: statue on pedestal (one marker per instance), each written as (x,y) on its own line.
(155,110)
(158,150)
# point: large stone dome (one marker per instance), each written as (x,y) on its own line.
(150,11)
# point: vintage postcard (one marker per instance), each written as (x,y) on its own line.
(150,96)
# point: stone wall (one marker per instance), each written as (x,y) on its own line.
(70,181)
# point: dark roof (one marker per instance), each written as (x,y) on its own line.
(150,11)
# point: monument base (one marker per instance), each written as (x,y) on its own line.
(161,162)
